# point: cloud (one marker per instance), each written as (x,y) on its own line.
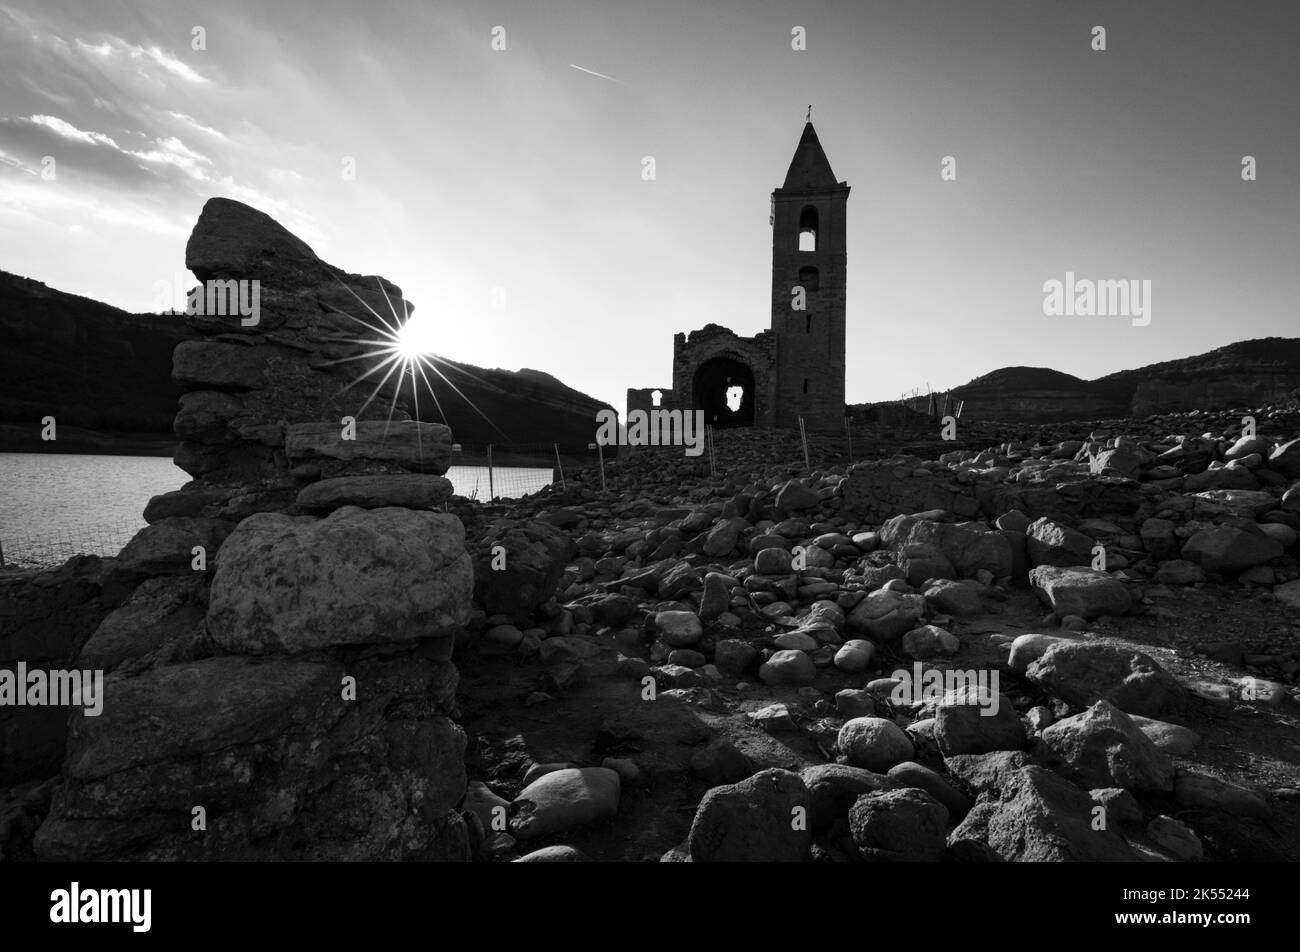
(115,48)
(68,131)
(196,125)
(172,151)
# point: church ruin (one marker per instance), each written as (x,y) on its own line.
(796,367)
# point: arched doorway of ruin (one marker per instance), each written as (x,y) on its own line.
(716,384)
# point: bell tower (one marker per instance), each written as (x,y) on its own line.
(808,253)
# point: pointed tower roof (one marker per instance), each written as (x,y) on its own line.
(810,170)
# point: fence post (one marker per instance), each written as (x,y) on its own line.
(803,436)
(2,554)
(601,456)
(559,465)
(848,431)
(713,471)
(491,489)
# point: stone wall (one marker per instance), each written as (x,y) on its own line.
(757,354)
(642,398)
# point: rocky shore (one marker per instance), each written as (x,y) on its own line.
(1071,642)
(773,609)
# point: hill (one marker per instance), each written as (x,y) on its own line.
(105,376)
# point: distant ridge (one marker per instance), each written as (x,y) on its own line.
(105,375)
(1249,373)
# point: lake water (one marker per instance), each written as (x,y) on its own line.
(56,505)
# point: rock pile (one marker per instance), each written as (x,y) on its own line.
(280,679)
(790,596)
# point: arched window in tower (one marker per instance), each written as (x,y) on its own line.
(809,278)
(656,398)
(808,229)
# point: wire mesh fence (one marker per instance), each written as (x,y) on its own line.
(48,549)
(486,471)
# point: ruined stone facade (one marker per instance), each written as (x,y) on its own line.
(796,368)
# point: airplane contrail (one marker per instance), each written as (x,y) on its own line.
(594,73)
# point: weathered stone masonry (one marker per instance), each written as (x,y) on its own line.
(796,368)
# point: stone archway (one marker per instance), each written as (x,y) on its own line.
(714,379)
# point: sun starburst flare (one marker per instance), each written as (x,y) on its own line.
(394,350)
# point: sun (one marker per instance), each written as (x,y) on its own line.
(409,343)
(401,348)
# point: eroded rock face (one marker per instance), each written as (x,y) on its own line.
(253,742)
(294,583)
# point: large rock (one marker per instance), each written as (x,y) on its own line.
(563,799)
(1122,461)
(834,788)
(206,416)
(1285,458)
(679,629)
(794,496)
(1172,739)
(1229,549)
(1027,649)
(1103,747)
(874,743)
(912,774)
(1087,593)
(930,641)
(284,765)
(418,447)
(899,826)
(969,722)
(955,598)
(167,546)
(161,610)
(886,615)
(1083,673)
(1205,792)
(526,573)
(789,666)
(968,550)
(234,240)
(724,536)
(1036,816)
(405,490)
(294,583)
(1051,543)
(752,821)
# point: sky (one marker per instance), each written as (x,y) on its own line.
(504,190)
